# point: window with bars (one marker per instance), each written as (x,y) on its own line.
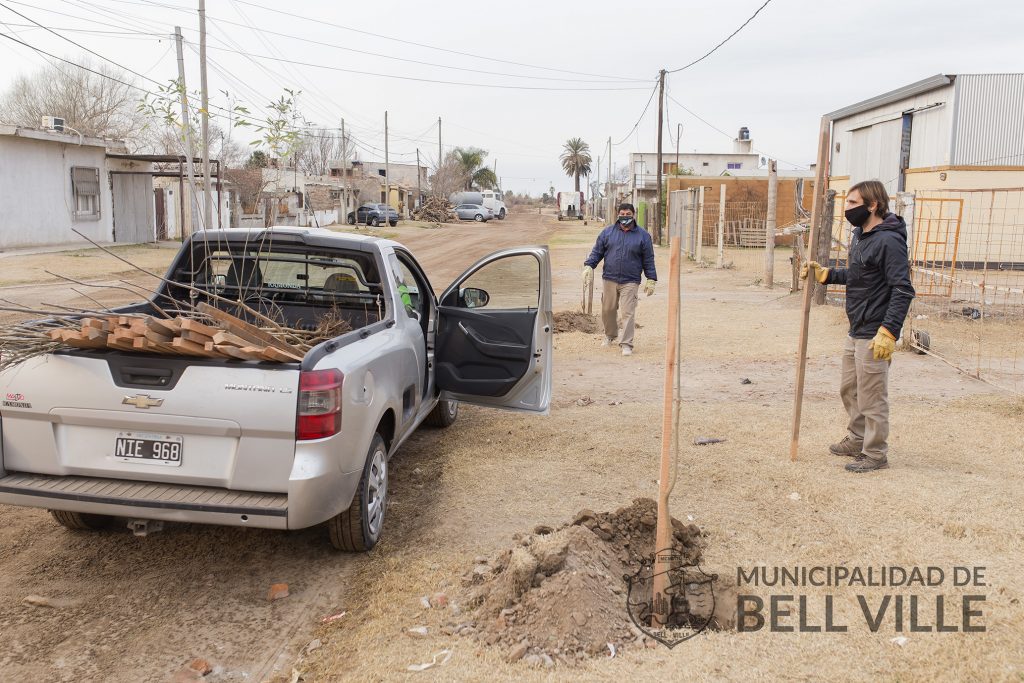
(85,188)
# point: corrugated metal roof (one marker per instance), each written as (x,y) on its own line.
(928,84)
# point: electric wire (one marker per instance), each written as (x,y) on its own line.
(727,39)
(642,114)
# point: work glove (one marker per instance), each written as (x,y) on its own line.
(883,344)
(588,274)
(649,287)
(820,272)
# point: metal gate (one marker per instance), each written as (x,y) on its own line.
(936,242)
(133,207)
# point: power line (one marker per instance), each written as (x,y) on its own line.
(642,114)
(420,80)
(378,36)
(727,39)
(385,56)
(729,135)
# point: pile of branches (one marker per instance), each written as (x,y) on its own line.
(207,332)
(200,330)
(436,210)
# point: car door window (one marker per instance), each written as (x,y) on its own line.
(508,284)
(412,291)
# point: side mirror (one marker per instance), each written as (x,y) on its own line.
(220,283)
(472,297)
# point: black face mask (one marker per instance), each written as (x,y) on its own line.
(858,215)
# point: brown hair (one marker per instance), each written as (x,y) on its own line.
(872,191)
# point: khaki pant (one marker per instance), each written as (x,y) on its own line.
(864,389)
(618,303)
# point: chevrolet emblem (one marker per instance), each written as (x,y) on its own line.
(142,401)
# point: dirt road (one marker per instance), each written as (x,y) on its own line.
(138,609)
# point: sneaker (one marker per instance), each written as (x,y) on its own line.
(847,447)
(866,464)
(608,341)
(627,350)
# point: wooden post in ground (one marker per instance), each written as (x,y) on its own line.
(700,226)
(590,297)
(823,243)
(796,262)
(769,225)
(720,261)
(821,179)
(662,601)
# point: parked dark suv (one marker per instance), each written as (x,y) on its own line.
(373,214)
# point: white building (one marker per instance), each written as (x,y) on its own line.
(52,183)
(644,165)
(957,131)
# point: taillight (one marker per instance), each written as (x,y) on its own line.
(319,410)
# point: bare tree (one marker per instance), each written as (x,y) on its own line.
(450,177)
(92,104)
(319,148)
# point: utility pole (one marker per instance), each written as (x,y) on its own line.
(205,101)
(769,226)
(387,171)
(344,170)
(419,189)
(720,259)
(611,200)
(597,188)
(679,134)
(661,114)
(187,122)
(440,157)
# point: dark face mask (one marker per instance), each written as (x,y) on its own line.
(625,220)
(858,215)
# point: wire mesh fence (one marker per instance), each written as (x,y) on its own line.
(967,265)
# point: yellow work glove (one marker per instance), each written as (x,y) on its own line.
(649,287)
(820,272)
(883,344)
(588,274)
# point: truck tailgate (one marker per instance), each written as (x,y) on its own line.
(150,418)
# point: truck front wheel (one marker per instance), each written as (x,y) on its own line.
(358,529)
(501,215)
(80,521)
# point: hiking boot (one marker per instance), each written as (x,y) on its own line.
(608,341)
(847,447)
(627,350)
(866,464)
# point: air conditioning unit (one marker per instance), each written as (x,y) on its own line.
(54,123)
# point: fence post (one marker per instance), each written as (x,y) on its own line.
(823,248)
(700,226)
(797,261)
(720,261)
(769,225)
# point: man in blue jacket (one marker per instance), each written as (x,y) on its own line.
(628,252)
(878,296)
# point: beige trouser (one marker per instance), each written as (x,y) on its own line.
(864,389)
(618,303)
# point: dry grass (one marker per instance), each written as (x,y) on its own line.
(83,264)
(951,497)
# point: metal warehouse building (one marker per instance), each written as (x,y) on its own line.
(958,131)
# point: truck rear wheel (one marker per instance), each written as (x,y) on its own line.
(80,521)
(443,415)
(358,529)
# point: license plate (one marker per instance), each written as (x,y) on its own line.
(148,448)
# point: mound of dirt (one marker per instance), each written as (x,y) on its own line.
(576,321)
(560,595)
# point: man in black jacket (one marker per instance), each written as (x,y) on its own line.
(878,296)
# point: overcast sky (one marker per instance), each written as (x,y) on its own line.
(795,61)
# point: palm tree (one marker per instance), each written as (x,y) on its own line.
(576,159)
(472,161)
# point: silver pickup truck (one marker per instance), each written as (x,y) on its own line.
(97,435)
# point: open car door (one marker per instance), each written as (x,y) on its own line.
(493,345)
